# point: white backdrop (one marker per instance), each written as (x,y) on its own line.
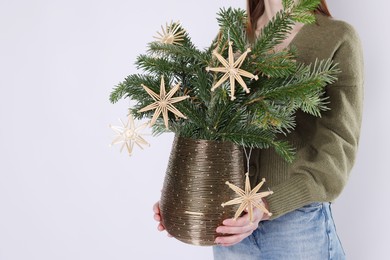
(64,194)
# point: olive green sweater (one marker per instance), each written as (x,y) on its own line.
(326,147)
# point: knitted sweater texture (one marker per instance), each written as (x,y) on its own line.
(326,146)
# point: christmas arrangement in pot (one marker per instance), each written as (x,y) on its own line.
(220,102)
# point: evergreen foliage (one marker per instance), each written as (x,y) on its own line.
(251,120)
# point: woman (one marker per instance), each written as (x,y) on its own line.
(302,226)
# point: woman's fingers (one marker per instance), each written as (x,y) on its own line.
(239,222)
(237,230)
(160,227)
(157,217)
(156,210)
(231,240)
(244,220)
(156,207)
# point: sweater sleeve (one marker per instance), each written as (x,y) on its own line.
(321,167)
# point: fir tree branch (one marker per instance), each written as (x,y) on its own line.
(273,33)
(162,66)
(131,87)
(194,113)
(278,118)
(308,78)
(232,23)
(174,52)
(280,64)
(118,92)
(259,138)
(306,5)
(200,85)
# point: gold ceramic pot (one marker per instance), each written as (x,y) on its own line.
(194,188)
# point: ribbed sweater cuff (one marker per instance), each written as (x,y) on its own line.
(290,195)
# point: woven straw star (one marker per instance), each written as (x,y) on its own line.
(170,34)
(248,198)
(163,102)
(232,70)
(128,135)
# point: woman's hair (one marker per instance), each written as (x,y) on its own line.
(255,8)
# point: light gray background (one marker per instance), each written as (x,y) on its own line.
(64,194)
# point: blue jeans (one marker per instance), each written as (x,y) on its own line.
(307,233)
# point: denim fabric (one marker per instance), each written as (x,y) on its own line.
(308,233)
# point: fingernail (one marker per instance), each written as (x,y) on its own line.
(225,222)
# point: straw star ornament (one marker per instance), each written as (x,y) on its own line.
(171,34)
(128,135)
(232,70)
(163,102)
(248,198)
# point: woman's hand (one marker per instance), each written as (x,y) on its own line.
(240,228)
(157,217)
(237,229)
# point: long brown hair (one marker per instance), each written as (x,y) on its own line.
(255,9)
